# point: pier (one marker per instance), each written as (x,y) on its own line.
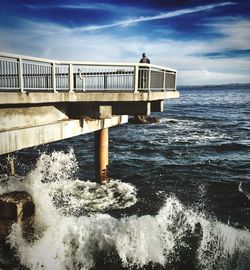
(44,100)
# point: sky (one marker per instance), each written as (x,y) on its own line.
(207,41)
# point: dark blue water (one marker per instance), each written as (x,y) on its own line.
(191,179)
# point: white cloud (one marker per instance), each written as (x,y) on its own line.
(237,34)
(160,16)
(58,42)
(205,77)
(84,6)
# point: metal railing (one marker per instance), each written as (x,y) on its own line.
(31,74)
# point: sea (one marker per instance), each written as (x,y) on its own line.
(178,196)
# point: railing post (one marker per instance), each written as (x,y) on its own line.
(71,79)
(54,77)
(83,80)
(175,81)
(164,81)
(20,73)
(149,79)
(136,76)
(105,79)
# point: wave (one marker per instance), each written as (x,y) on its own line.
(243,189)
(175,235)
(231,147)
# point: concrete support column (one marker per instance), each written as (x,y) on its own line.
(101,155)
(12,167)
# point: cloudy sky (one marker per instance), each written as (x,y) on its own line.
(207,41)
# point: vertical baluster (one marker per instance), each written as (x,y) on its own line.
(8,74)
(175,81)
(53,76)
(11,73)
(20,72)
(28,75)
(70,76)
(15,75)
(29,71)
(34,67)
(136,76)
(46,74)
(1,74)
(32,76)
(40,79)
(62,81)
(36,75)
(56,75)
(126,71)
(42,76)
(16,72)
(125,76)
(64,78)
(98,78)
(39,76)
(43,72)
(5,75)
(24,74)
(164,79)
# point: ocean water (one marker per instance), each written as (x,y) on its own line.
(178,198)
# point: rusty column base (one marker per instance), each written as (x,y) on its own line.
(101,155)
(17,207)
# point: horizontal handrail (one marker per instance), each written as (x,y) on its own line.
(28,73)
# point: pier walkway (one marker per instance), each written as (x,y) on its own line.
(43,100)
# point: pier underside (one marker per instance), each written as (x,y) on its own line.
(32,119)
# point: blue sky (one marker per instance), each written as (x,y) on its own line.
(207,41)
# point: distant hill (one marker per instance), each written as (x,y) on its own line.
(230,86)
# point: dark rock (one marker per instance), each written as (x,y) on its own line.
(172,122)
(143,119)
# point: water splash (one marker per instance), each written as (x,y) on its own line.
(175,235)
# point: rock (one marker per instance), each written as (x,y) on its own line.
(17,207)
(172,122)
(143,119)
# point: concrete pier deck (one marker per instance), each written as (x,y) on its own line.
(43,100)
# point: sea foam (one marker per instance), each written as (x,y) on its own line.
(64,239)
